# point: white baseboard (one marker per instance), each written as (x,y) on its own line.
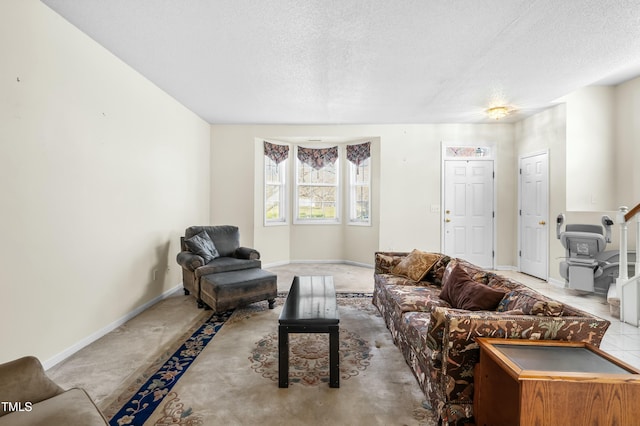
(275,264)
(338,261)
(98,334)
(507,268)
(556,282)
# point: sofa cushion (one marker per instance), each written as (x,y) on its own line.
(414,298)
(463,293)
(202,245)
(416,265)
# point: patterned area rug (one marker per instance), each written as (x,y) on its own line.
(309,357)
(225,371)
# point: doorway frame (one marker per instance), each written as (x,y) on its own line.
(464,153)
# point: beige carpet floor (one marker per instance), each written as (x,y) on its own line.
(223,387)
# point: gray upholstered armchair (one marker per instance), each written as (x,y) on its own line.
(209,250)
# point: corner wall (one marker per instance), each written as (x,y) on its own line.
(100,173)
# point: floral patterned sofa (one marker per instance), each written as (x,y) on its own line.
(438,339)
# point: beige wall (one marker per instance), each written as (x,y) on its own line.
(627,153)
(408,181)
(591,149)
(627,110)
(100,172)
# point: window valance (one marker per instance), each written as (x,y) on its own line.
(277,153)
(358,153)
(318,157)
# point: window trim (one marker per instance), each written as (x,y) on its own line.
(352,198)
(284,195)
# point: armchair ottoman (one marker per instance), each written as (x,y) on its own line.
(228,290)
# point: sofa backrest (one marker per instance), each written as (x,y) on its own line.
(226,238)
(518,297)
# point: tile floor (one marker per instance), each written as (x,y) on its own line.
(621,340)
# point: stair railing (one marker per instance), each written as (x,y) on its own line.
(628,288)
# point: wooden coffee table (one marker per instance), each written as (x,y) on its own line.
(310,308)
(533,382)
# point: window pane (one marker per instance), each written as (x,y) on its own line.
(317,202)
(274,191)
(362,203)
(361,172)
(326,175)
(272,204)
(272,171)
(359,202)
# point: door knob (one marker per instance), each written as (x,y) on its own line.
(542,222)
(447,220)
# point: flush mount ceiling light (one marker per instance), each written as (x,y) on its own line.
(498,112)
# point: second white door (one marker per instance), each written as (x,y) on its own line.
(534,212)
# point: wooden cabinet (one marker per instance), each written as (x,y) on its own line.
(529,382)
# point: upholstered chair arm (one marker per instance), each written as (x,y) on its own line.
(24,380)
(247,253)
(189,261)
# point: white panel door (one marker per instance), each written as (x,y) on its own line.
(534,215)
(468,211)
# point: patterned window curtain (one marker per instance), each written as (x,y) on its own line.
(277,153)
(358,153)
(318,157)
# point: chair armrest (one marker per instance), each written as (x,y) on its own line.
(189,261)
(247,253)
(24,380)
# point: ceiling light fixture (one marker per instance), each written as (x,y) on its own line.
(498,112)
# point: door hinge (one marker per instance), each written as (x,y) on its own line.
(494,175)
(520,170)
(493,253)
(493,214)
(520,253)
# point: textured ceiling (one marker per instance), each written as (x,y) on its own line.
(365,61)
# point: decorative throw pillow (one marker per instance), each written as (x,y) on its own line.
(437,271)
(202,245)
(461,292)
(416,265)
